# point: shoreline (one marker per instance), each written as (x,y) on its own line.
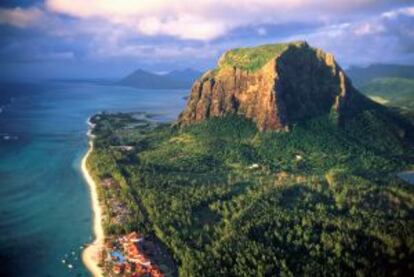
(407,176)
(91,254)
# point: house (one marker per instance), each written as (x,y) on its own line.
(141,270)
(128,268)
(134,254)
(118,268)
(156,272)
(134,237)
(109,245)
(133,260)
(126,147)
(107,182)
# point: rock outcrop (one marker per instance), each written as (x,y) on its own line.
(274,85)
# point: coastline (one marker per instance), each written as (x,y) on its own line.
(91,253)
(407,176)
(131,253)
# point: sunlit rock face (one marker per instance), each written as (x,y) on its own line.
(274,85)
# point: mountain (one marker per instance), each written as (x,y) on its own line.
(390,85)
(172,80)
(275,85)
(187,76)
(226,199)
(363,75)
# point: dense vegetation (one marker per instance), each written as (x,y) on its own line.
(252,59)
(227,200)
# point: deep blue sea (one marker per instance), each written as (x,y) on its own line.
(45,212)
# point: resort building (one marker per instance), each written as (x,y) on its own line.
(130,259)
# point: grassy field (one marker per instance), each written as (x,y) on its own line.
(227,200)
(252,59)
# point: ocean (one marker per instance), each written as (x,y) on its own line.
(45,211)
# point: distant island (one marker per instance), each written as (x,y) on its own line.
(178,79)
(278,166)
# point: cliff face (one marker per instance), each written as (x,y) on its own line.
(274,85)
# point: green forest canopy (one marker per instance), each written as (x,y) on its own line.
(323,201)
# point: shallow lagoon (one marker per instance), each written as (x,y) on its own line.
(45,213)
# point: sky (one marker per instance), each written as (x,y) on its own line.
(109,38)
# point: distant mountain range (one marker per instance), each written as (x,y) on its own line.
(388,84)
(178,79)
(363,75)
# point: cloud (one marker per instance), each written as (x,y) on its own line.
(409,11)
(19,17)
(387,37)
(208,19)
(184,27)
(367,28)
(169,34)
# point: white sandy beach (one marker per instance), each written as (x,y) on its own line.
(90,255)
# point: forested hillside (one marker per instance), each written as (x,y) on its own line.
(227,200)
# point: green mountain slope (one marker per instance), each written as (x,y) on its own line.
(228,200)
(395,92)
(278,166)
(390,85)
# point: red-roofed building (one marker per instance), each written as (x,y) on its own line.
(156,272)
(134,237)
(118,268)
(137,261)
(128,268)
(141,270)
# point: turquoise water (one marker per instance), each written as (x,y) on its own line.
(407,176)
(45,213)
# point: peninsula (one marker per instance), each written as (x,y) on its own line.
(277,166)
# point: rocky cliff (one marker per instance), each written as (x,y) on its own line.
(274,85)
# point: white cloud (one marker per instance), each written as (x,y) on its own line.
(184,27)
(367,28)
(119,48)
(207,19)
(19,17)
(384,38)
(409,11)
